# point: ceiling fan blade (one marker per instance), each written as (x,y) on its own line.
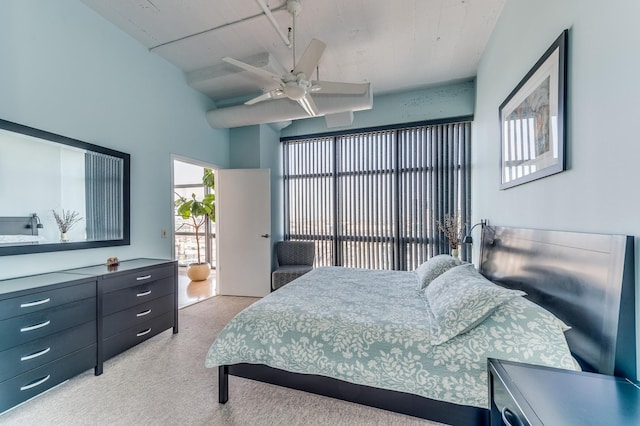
(335,88)
(264,97)
(308,104)
(273,94)
(310,58)
(255,70)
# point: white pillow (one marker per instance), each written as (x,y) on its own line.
(434,267)
(460,299)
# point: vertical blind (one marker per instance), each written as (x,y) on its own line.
(371,199)
(103,192)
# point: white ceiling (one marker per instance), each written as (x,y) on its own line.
(396,45)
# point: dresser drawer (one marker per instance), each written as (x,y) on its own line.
(504,409)
(114,323)
(133,279)
(38,352)
(33,382)
(129,297)
(134,335)
(18,330)
(40,301)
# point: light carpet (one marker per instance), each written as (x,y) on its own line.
(163,381)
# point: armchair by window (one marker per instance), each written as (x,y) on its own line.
(295,258)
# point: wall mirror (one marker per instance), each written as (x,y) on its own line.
(58,193)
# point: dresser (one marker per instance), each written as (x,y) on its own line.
(54,326)
(48,329)
(527,395)
(136,300)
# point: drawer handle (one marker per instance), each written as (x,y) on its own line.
(35,327)
(141,314)
(144,293)
(36,303)
(35,354)
(34,384)
(510,418)
(146,277)
(142,333)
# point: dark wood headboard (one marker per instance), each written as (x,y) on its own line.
(25,225)
(586,280)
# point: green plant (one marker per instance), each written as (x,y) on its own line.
(199,211)
(66,219)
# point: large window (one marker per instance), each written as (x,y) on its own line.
(371,199)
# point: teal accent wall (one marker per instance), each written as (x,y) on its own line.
(443,101)
(244,145)
(68,71)
(598,191)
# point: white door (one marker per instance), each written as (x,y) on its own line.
(243,219)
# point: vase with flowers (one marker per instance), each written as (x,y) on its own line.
(451,227)
(65,221)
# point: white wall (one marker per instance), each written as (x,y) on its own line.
(68,71)
(20,191)
(598,191)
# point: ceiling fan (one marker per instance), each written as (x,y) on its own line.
(296,85)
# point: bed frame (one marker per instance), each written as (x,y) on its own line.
(587,280)
(18,225)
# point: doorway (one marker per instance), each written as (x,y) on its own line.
(187,180)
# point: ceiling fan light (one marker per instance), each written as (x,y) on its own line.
(294,91)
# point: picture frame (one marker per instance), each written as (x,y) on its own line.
(532,120)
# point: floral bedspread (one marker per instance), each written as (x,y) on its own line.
(372,328)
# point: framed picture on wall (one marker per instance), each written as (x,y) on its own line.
(532,120)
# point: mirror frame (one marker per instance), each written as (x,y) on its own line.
(126,194)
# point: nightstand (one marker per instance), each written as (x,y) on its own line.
(524,394)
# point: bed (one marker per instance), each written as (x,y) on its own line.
(405,361)
(19,230)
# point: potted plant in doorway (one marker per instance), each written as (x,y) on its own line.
(198,212)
